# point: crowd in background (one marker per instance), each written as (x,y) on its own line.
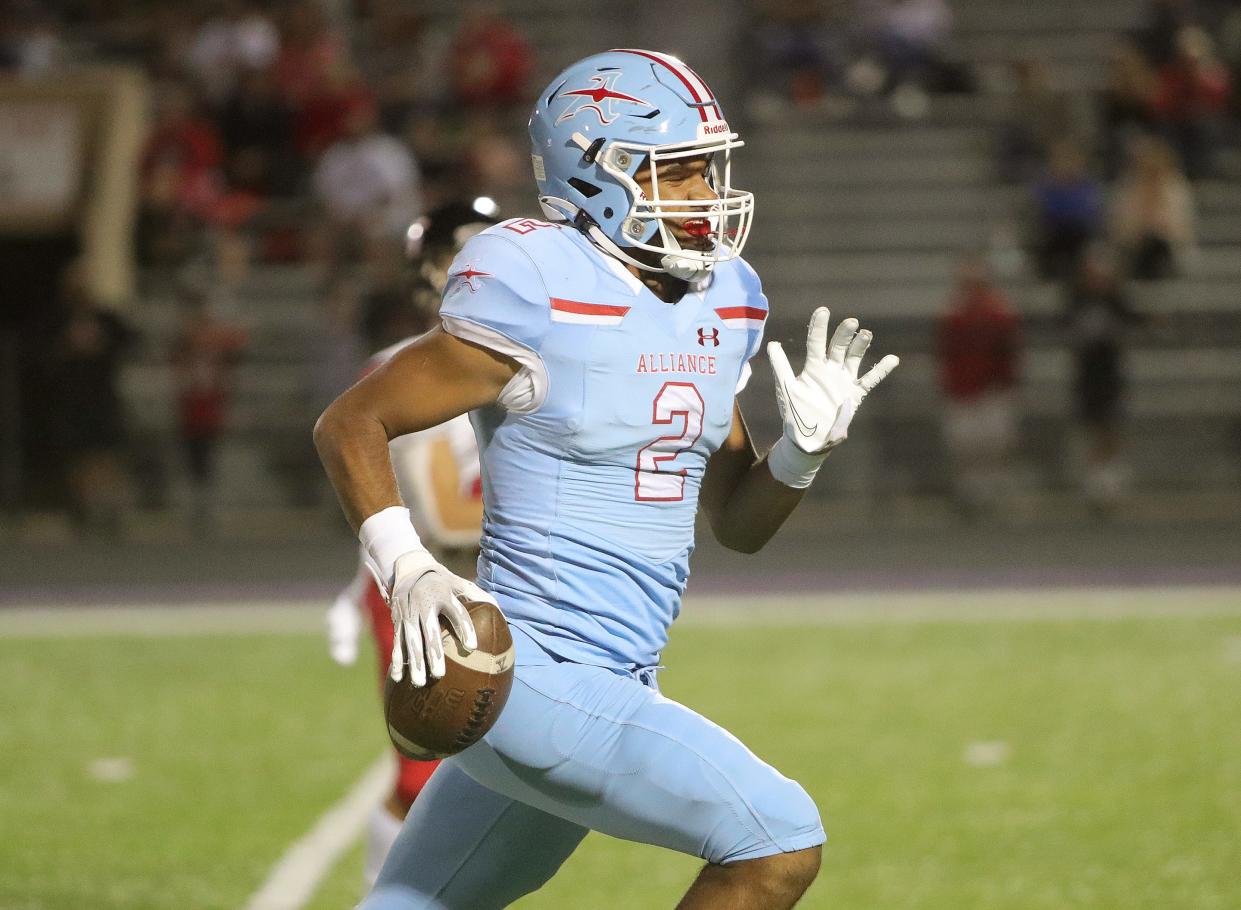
(1111,201)
(279,133)
(834,53)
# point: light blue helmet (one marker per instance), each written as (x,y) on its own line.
(595,126)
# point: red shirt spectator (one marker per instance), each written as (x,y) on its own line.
(979,338)
(181,159)
(324,116)
(309,50)
(204,356)
(490,62)
(183,138)
(1193,84)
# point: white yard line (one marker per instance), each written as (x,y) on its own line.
(294,880)
(847,608)
(207,618)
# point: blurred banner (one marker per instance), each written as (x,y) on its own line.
(68,156)
(41,151)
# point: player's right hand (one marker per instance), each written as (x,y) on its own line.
(422,592)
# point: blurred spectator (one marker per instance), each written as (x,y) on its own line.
(309,49)
(1152,221)
(979,350)
(257,127)
(1069,210)
(323,115)
(911,40)
(236,37)
(1038,116)
(181,179)
(1127,107)
(401,63)
(31,44)
(800,55)
(368,184)
(491,61)
(1098,316)
(1163,22)
(1191,97)
(83,366)
(204,357)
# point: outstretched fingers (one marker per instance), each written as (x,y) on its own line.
(856,351)
(816,335)
(879,372)
(841,340)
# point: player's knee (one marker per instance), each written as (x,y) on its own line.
(783,819)
(799,814)
(799,869)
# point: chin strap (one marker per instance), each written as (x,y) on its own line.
(686,269)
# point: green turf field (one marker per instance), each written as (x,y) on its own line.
(959,761)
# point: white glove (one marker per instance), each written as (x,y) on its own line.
(422,592)
(344,623)
(818,404)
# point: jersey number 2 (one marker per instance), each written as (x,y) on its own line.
(655,480)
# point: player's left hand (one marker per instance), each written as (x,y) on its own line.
(818,404)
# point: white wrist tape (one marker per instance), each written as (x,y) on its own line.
(386,535)
(791,466)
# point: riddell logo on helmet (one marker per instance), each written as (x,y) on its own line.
(717,128)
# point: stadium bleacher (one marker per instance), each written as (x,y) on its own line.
(865,215)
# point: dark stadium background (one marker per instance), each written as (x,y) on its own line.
(877,165)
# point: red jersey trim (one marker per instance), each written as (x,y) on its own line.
(740,312)
(587,309)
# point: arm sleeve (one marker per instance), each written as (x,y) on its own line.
(495,297)
(758,300)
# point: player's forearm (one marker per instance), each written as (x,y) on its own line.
(755,509)
(354,450)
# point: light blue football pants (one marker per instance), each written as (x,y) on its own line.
(581,748)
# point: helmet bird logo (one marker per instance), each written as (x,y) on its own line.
(468,276)
(602,94)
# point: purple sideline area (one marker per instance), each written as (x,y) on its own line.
(812,556)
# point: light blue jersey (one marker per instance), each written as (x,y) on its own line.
(591,480)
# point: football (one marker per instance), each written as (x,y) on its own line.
(450,714)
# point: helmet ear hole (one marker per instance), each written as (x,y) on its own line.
(586,189)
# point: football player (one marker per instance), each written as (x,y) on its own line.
(438,478)
(615,336)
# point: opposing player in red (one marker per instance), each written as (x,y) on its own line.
(438,477)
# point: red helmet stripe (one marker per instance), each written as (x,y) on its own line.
(709,100)
(718,114)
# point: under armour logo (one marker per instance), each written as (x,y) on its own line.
(712,336)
